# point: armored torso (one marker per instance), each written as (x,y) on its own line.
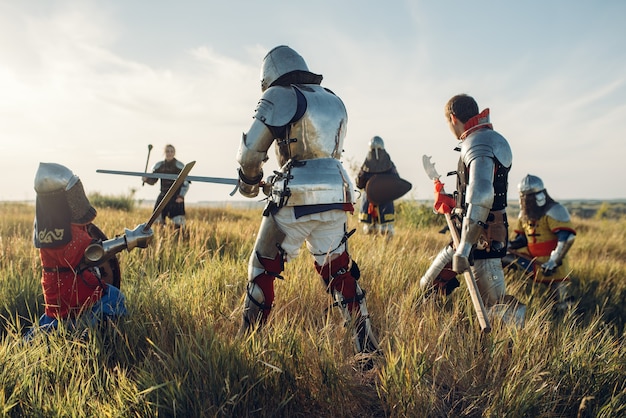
(485,143)
(313,122)
(168,167)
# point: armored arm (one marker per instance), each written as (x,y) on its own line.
(149,180)
(361,179)
(566,240)
(251,156)
(520,241)
(275,109)
(98,252)
(479,199)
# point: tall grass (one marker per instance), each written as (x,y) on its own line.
(177,354)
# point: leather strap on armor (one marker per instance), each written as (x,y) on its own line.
(339,275)
(250,181)
(273,268)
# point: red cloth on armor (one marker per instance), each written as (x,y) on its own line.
(372,211)
(344,282)
(67,293)
(273,268)
(477,122)
(444,203)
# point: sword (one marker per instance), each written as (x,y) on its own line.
(169,195)
(219,180)
(470,280)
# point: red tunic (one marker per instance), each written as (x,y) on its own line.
(68,292)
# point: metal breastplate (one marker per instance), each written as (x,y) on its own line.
(321,130)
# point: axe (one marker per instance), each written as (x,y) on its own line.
(477,300)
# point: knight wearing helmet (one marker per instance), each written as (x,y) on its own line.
(308,197)
(80,275)
(376,217)
(545,234)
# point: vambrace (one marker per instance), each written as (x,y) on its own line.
(558,254)
(439,263)
(473,226)
(100,251)
(252,153)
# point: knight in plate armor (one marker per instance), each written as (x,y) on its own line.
(71,255)
(308,197)
(376,217)
(479,213)
(545,234)
(175,209)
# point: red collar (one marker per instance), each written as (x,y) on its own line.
(477,122)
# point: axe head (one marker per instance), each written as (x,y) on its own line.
(429,167)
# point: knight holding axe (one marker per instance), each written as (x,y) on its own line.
(476,214)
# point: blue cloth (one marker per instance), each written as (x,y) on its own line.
(386,210)
(112,305)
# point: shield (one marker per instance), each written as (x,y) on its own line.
(109,269)
(383,188)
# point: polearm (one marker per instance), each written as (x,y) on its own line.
(171,192)
(470,280)
(147,160)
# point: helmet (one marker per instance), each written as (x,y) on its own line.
(281,61)
(55,183)
(530,184)
(532,187)
(376,143)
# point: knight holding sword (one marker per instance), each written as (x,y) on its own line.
(80,274)
(477,210)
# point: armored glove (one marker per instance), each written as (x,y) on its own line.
(460,262)
(267,185)
(138,237)
(549,267)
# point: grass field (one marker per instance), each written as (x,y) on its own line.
(177,354)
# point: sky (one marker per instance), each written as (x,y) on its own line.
(91,84)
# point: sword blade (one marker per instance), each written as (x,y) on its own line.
(180,179)
(218,180)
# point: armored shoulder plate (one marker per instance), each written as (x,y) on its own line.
(486,143)
(277,106)
(321,130)
(558,212)
(157,165)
